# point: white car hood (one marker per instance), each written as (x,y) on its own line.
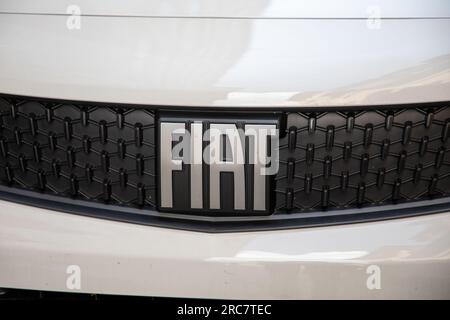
(231,53)
(352,9)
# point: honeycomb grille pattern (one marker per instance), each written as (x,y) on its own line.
(328,160)
(362,158)
(89,152)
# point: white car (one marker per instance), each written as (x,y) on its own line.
(263,149)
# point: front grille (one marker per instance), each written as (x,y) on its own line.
(89,152)
(105,154)
(337,159)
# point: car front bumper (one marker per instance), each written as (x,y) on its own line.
(411,255)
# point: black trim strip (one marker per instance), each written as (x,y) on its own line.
(223,224)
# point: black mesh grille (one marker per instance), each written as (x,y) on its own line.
(359,158)
(88,152)
(328,160)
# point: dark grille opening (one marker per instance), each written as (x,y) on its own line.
(361,158)
(346,159)
(88,152)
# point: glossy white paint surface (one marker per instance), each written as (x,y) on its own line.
(226,62)
(238,8)
(37,246)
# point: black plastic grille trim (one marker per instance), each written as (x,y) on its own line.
(344,159)
(97,153)
(223,224)
(80,156)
